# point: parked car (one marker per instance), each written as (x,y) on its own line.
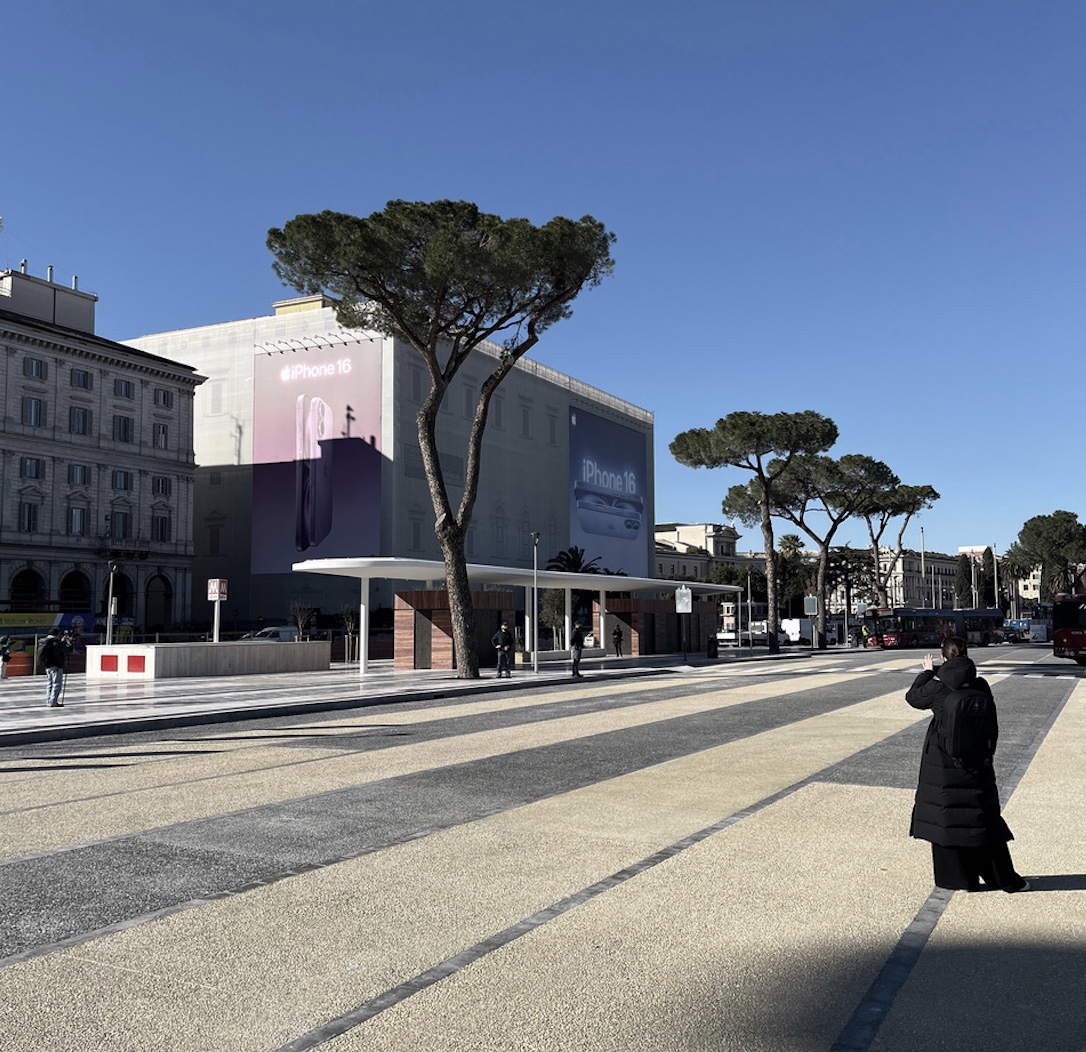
(279,634)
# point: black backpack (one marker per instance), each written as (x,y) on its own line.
(968,728)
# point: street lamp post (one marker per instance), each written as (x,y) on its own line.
(109,606)
(535,603)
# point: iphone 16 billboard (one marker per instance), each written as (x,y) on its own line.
(316,454)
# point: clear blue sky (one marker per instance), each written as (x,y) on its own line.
(869,208)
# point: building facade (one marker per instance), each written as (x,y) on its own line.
(306,448)
(96,473)
(694,550)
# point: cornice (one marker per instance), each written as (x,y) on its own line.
(90,348)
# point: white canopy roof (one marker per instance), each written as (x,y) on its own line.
(511,576)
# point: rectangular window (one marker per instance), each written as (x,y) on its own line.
(163,398)
(78,474)
(79,420)
(123,388)
(28,516)
(161,436)
(35,368)
(122,479)
(78,521)
(31,468)
(161,485)
(214,540)
(525,422)
(33,412)
(120,525)
(162,527)
(123,428)
(82,378)
(497,408)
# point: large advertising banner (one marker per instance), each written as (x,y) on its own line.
(316,454)
(608,503)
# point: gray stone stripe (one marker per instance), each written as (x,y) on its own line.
(154,915)
(861,1029)
(390,998)
(360,740)
(740,721)
(228,854)
(394,996)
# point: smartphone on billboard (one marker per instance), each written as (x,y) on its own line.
(608,513)
(312,472)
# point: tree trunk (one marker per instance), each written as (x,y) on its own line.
(820,594)
(450,536)
(461,608)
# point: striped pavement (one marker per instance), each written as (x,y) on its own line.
(708,857)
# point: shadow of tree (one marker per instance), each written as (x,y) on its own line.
(990,995)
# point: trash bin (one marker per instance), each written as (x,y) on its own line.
(712,647)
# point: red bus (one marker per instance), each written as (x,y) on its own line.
(908,627)
(1069,627)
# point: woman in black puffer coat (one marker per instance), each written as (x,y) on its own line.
(957,807)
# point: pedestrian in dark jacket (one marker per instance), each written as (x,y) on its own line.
(957,806)
(53,656)
(576,648)
(502,641)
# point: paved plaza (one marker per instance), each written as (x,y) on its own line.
(693,856)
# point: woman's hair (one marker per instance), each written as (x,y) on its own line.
(954,646)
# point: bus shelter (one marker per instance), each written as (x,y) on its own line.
(431,573)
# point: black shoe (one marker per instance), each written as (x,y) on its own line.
(1024,886)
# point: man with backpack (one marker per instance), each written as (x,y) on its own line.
(957,800)
(53,656)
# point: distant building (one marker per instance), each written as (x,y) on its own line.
(96,469)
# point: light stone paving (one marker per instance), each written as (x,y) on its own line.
(763,936)
(66,804)
(759,939)
(292,955)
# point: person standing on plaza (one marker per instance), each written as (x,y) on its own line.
(5,656)
(502,642)
(957,800)
(53,656)
(616,639)
(576,646)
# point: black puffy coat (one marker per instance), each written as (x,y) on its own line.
(955,806)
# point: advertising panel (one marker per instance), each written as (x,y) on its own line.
(608,504)
(316,454)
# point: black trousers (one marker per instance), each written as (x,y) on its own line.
(963,868)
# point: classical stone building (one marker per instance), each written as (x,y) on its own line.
(96,473)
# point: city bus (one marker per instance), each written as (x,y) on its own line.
(1069,627)
(906,627)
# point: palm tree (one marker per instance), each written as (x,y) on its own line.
(571,560)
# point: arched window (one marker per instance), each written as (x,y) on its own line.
(75,593)
(28,590)
(159,604)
